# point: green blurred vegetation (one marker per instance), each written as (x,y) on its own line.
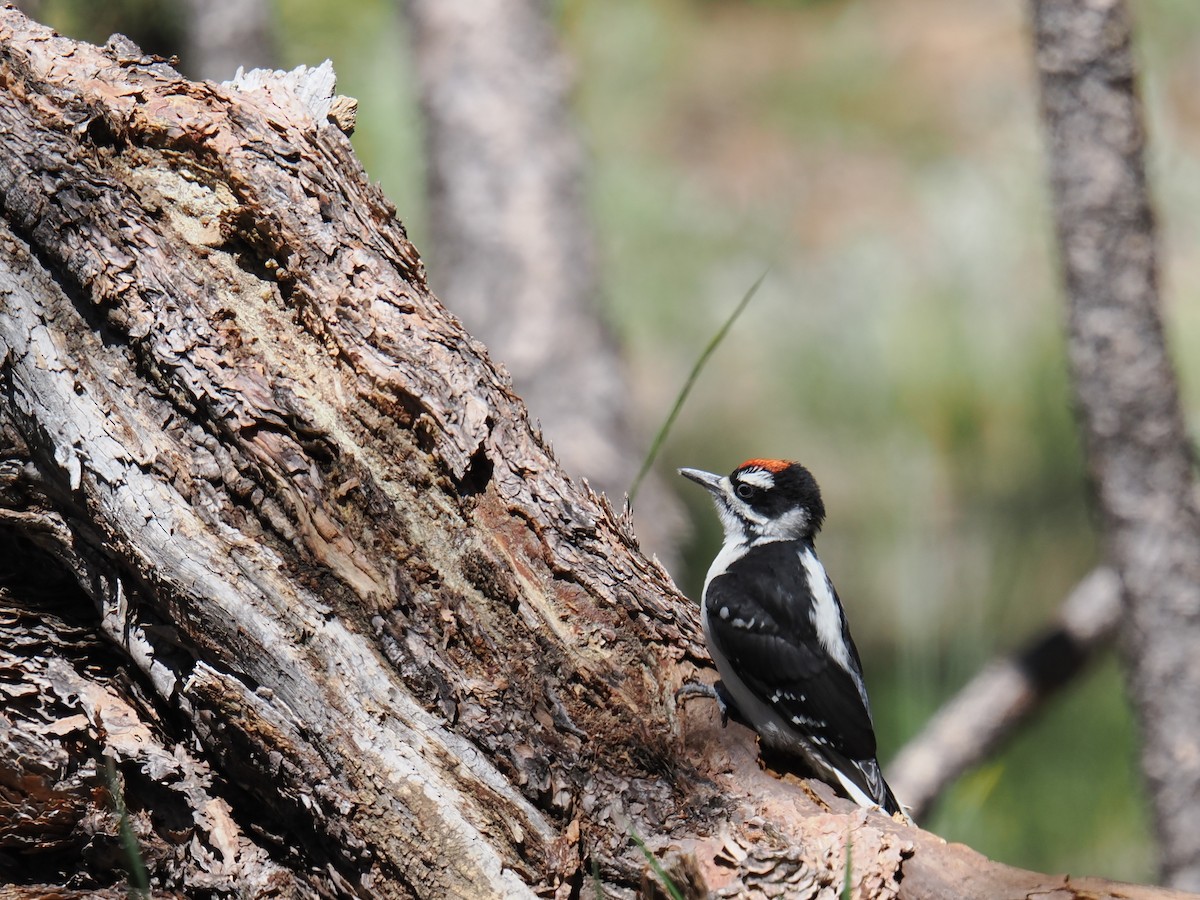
(884,159)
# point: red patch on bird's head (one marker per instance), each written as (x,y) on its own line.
(774,466)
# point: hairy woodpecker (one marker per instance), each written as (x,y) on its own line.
(777,631)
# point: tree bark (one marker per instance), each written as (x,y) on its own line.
(1138,450)
(349,630)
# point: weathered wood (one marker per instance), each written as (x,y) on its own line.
(316,527)
(75,731)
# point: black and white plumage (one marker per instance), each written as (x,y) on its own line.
(777,631)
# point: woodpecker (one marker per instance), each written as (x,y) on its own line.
(777,631)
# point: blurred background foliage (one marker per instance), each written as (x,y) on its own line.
(884,160)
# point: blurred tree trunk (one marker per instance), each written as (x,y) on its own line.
(288,576)
(512,247)
(1139,453)
(220,35)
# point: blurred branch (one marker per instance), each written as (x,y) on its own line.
(1006,694)
(1133,429)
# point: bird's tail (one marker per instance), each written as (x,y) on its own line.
(889,803)
(864,783)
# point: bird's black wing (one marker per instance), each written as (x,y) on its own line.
(760,619)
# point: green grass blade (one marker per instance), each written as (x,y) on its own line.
(659,438)
(596,878)
(674,891)
(139,878)
(849,870)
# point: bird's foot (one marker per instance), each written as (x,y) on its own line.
(715,692)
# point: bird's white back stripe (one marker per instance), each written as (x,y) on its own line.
(826,615)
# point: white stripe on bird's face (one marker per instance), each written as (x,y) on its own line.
(759,478)
(740,521)
(733,512)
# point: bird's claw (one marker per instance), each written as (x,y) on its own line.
(692,689)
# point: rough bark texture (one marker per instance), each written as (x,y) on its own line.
(348,628)
(1005,694)
(1138,450)
(512,250)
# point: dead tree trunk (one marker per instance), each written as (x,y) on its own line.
(1139,452)
(360,634)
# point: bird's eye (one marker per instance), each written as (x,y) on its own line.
(745,491)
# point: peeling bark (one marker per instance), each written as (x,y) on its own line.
(75,730)
(361,636)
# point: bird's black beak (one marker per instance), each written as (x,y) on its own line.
(704,479)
